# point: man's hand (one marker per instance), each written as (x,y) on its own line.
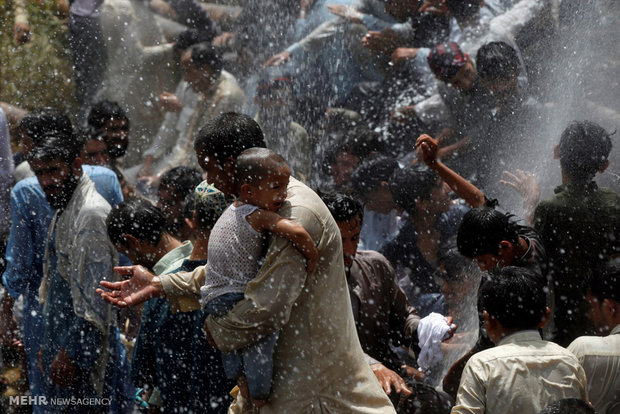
(348,13)
(427,146)
(223,39)
(141,287)
(169,102)
(388,379)
(453,327)
(21,33)
(384,42)
(278,59)
(402,54)
(62,370)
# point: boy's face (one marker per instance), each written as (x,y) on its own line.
(270,193)
(350,233)
(117,130)
(95,152)
(464,78)
(343,168)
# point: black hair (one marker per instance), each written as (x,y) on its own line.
(136,217)
(497,62)
(462,9)
(343,207)
(227,136)
(605,282)
(256,164)
(203,54)
(569,406)
(515,296)
(40,122)
(182,180)
(103,111)
(583,149)
(455,266)
(359,140)
(188,38)
(371,173)
(58,145)
(411,184)
(482,229)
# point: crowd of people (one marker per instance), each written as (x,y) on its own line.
(300,206)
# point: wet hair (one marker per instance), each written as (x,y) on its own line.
(515,296)
(482,229)
(462,9)
(605,282)
(583,149)
(455,266)
(343,207)
(203,54)
(227,136)
(497,62)
(410,184)
(182,180)
(359,140)
(58,145)
(103,111)
(188,38)
(568,406)
(371,173)
(41,122)
(136,217)
(256,164)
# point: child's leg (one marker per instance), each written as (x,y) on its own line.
(258,364)
(218,307)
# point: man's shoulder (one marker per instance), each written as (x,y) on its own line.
(596,345)
(371,258)
(96,171)
(28,185)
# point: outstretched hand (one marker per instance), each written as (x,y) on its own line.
(388,379)
(141,287)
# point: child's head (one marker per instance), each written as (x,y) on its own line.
(583,150)
(498,66)
(371,182)
(261,178)
(489,237)
(418,189)
(451,65)
(515,298)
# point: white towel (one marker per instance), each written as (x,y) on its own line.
(431,331)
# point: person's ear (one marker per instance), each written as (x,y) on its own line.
(246,190)
(545,318)
(506,250)
(604,166)
(132,243)
(192,223)
(556,152)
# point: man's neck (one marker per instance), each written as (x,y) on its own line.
(201,248)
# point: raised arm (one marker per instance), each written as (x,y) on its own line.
(469,192)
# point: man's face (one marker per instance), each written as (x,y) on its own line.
(95,152)
(117,130)
(350,233)
(56,180)
(270,193)
(139,253)
(464,78)
(216,173)
(200,78)
(343,169)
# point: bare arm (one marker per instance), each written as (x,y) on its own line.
(264,220)
(469,192)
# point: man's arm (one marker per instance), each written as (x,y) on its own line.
(270,296)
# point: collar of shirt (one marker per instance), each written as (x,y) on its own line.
(520,336)
(169,259)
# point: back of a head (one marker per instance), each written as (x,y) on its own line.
(497,62)
(181,180)
(463,9)
(568,406)
(410,184)
(446,60)
(188,38)
(343,207)
(583,150)
(45,121)
(209,204)
(227,136)
(136,217)
(515,296)
(482,229)
(256,164)
(103,111)
(605,282)
(204,54)
(372,172)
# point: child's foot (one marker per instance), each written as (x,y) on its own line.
(242,383)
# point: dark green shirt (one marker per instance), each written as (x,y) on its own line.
(579,226)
